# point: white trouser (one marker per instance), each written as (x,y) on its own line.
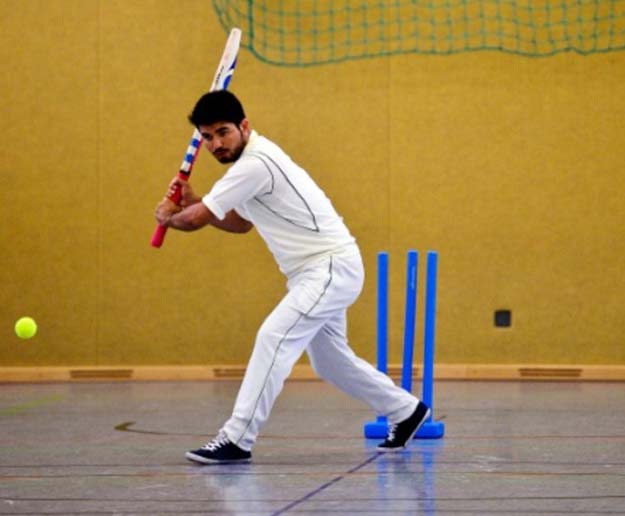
(312,318)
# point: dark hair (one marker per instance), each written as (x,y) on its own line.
(217,106)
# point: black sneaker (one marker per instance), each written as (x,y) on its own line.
(400,433)
(219,451)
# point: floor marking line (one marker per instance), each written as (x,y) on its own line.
(323,487)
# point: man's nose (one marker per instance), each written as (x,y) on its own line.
(214,144)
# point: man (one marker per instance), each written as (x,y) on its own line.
(265,189)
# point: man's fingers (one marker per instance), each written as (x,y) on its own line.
(173,188)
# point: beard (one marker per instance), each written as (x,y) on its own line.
(230,155)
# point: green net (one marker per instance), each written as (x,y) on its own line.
(310,32)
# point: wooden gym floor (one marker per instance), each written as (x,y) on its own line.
(520,448)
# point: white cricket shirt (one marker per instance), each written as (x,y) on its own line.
(290,212)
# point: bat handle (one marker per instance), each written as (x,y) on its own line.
(159,234)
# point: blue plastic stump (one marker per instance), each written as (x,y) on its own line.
(410,318)
(430,429)
(379,428)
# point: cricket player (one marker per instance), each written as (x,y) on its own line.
(265,189)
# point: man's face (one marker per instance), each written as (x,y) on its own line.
(226,140)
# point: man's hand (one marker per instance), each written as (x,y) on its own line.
(188,196)
(164,211)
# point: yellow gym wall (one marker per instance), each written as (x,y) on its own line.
(510,167)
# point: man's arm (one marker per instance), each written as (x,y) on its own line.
(196,216)
(193,214)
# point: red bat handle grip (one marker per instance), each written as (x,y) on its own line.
(159,234)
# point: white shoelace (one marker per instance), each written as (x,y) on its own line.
(217,442)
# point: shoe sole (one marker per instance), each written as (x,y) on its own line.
(400,448)
(203,460)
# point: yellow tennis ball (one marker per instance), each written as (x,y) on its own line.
(25,327)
